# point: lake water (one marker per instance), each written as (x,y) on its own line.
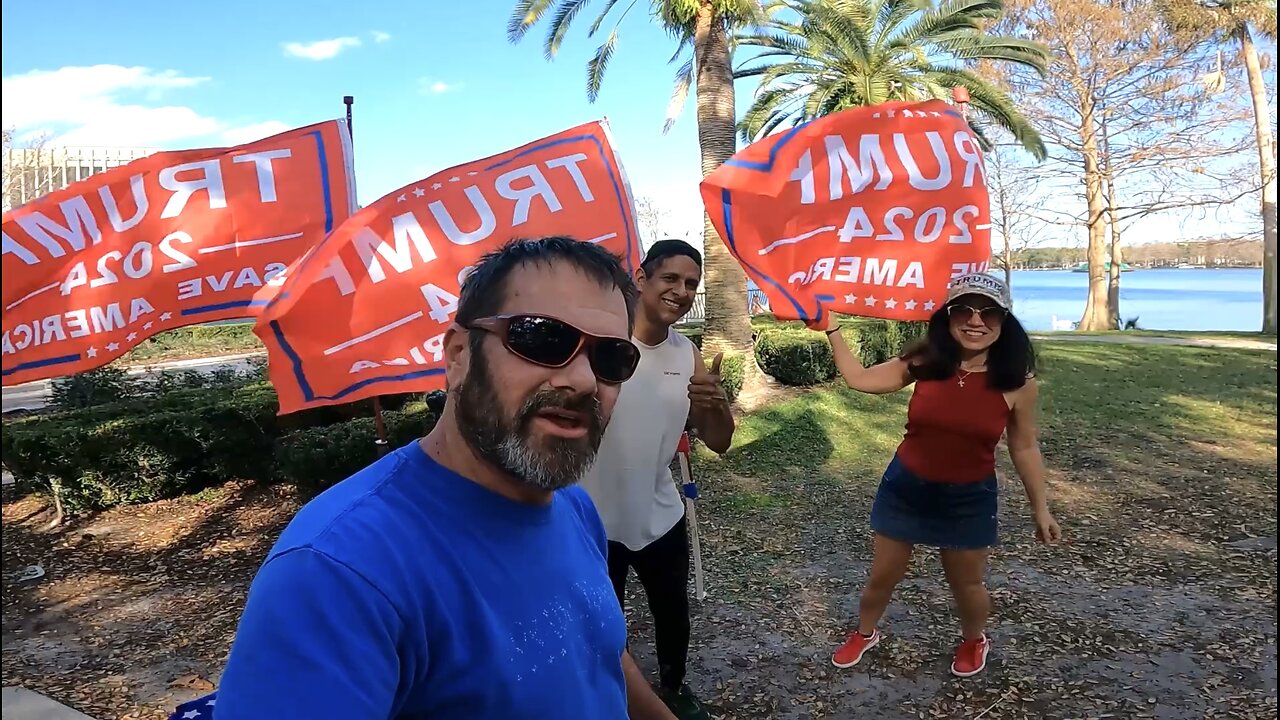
(1172,299)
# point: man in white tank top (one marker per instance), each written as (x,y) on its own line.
(631,481)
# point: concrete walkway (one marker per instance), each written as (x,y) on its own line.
(1210,342)
(23,704)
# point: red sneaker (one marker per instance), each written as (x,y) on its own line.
(971,657)
(848,654)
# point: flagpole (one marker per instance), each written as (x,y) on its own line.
(379,425)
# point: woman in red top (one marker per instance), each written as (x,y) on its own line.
(974,380)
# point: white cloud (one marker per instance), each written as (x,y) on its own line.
(427,86)
(380,37)
(320,49)
(114,106)
(256,131)
(79,94)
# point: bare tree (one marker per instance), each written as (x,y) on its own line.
(1235,23)
(1128,123)
(1014,198)
(650,219)
(26,172)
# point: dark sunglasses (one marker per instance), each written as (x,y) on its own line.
(992,316)
(554,343)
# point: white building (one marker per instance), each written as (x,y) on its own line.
(32,172)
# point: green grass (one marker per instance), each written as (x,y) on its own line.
(196,341)
(1114,404)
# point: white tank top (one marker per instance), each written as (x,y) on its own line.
(630,481)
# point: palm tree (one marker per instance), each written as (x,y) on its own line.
(706,28)
(820,56)
(1232,23)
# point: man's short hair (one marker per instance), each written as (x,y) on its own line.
(485,288)
(663,249)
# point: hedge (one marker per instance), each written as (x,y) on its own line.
(316,458)
(151,448)
(797,356)
(141,451)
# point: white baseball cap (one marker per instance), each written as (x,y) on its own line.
(988,286)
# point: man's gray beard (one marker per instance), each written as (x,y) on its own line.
(505,442)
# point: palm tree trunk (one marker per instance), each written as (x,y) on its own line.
(1095,315)
(1267,169)
(728,322)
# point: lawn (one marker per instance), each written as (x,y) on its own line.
(195,341)
(1161,603)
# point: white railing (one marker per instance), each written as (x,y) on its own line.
(32,172)
(757,304)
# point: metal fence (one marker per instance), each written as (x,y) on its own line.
(757,304)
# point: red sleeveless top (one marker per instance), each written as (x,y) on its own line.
(953,429)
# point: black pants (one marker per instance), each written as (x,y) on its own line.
(663,569)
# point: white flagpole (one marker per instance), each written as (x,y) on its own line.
(690,490)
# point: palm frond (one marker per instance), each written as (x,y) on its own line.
(948,16)
(566,11)
(998,107)
(604,12)
(598,64)
(525,15)
(679,94)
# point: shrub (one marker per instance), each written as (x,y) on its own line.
(316,458)
(803,357)
(94,387)
(881,340)
(795,357)
(732,368)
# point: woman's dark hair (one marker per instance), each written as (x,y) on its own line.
(1010,361)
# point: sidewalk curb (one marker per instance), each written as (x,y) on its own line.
(159,366)
(20,703)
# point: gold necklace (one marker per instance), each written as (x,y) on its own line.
(966,375)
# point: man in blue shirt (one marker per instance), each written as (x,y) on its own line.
(463,577)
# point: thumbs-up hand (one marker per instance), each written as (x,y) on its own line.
(705,390)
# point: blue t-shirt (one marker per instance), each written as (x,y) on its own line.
(408,591)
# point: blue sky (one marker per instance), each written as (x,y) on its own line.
(436,84)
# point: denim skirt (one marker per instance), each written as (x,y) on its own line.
(950,516)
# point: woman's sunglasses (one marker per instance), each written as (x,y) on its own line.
(554,343)
(991,316)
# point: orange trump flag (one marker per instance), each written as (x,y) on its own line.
(365,313)
(173,239)
(869,211)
